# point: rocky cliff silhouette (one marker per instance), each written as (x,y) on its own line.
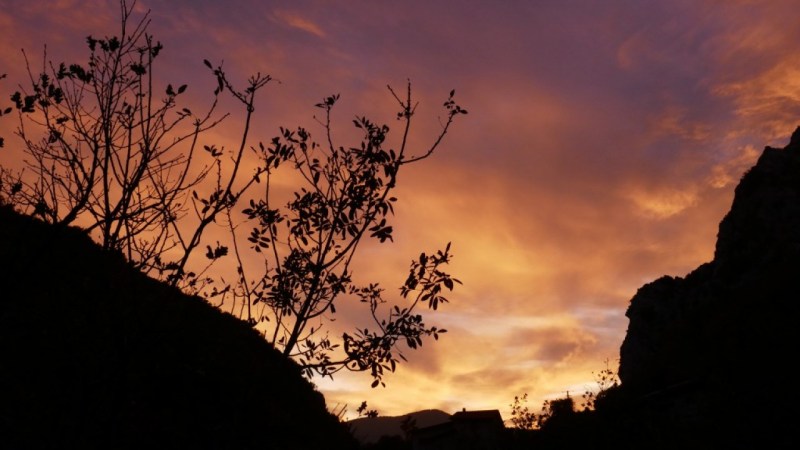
(708,359)
(682,327)
(715,349)
(97,355)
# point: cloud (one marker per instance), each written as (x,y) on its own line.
(673,121)
(664,204)
(295,20)
(769,98)
(730,171)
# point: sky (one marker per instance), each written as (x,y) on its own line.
(602,146)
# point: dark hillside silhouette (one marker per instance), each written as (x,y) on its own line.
(708,359)
(97,355)
(369,430)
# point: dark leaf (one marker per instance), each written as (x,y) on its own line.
(138,69)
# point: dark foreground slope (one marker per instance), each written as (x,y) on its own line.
(97,355)
(708,359)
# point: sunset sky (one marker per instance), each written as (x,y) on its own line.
(602,146)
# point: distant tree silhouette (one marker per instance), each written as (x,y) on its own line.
(605,379)
(363,411)
(522,418)
(108,150)
(555,410)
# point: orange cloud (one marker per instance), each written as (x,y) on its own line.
(770,98)
(673,121)
(294,20)
(661,205)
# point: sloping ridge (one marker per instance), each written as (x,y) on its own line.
(97,355)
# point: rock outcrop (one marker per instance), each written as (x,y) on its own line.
(96,355)
(716,348)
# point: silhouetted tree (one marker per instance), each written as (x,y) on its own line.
(605,379)
(522,418)
(309,244)
(3,111)
(107,149)
(557,409)
(363,411)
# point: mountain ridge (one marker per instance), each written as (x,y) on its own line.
(369,430)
